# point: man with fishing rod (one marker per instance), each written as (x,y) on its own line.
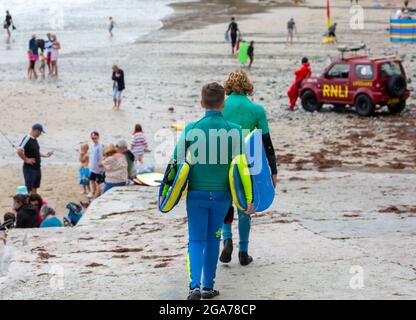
(29,152)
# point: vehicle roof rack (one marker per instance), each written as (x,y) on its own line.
(345,49)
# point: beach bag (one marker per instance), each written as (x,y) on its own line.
(74,214)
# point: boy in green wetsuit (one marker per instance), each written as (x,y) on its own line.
(241,110)
(209,145)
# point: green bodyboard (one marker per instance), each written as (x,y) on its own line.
(243,53)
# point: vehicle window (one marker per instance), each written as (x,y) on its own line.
(364,71)
(339,71)
(391,69)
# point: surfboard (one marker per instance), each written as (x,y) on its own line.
(227,37)
(243,53)
(261,177)
(149,179)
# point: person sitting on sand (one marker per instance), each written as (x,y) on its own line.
(49,219)
(139,144)
(122,148)
(26,215)
(118,86)
(37,202)
(115,168)
(9,220)
(84,171)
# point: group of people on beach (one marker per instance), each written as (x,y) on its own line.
(46,54)
(30,210)
(103,167)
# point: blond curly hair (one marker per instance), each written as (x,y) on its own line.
(239,82)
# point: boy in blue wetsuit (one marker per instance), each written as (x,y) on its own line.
(209,145)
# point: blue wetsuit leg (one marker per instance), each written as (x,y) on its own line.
(206,214)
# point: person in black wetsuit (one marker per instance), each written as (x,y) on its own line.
(8,22)
(233,30)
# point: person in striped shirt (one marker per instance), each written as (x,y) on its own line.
(139,144)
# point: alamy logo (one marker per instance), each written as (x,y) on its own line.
(357,280)
(56,17)
(357,17)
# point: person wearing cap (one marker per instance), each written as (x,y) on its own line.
(49,219)
(122,148)
(29,152)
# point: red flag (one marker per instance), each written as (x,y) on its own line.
(328,13)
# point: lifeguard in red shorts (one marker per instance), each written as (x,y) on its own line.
(301,74)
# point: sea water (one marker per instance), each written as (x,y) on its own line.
(79,24)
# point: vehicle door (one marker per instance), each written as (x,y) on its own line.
(336,84)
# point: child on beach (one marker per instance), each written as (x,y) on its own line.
(139,144)
(209,196)
(84,171)
(250,53)
(111,25)
(31,72)
(42,65)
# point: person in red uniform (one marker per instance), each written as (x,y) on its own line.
(301,74)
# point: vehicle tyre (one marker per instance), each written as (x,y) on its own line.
(364,106)
(396,86)
(310,102)
(397,108)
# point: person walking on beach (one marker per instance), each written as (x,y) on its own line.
(331,32)
(139,144)
(250,53)
(96,171)
(233,30)
(111,25)
(239,109)
(300,74)
(291,29)
(118,86)
(8,23)
(56,46)
(209,195)
(29,152)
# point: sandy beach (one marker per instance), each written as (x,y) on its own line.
(166,69)
(80,101)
